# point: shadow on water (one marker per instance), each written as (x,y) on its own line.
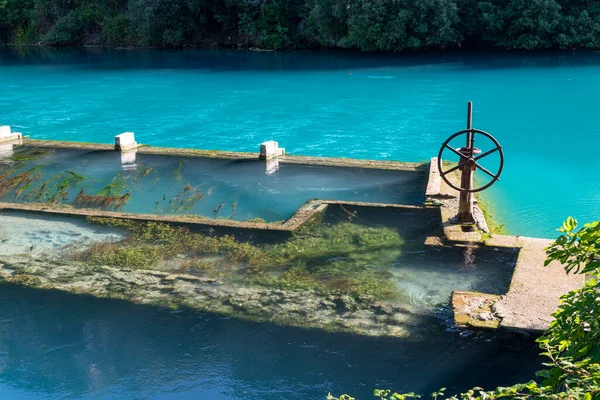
(413,224)
(302,60)
(57,345)
(427,274)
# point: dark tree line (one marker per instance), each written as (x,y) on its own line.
(369,25)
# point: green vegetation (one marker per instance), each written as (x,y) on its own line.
(490,215)
(18,181)
(571,343)
(185,199)
(369,25)
(343,258)
(32,153)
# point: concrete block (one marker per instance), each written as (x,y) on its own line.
(6,135)
(270,150)
(125,141)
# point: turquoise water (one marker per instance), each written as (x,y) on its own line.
(55,345)
(541,108)
(214,188)
(60,346)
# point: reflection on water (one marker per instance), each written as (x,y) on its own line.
(55,345)
(216,188)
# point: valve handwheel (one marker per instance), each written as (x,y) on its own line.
(469,158)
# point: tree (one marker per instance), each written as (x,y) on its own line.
(531,24)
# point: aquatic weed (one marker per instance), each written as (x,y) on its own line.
(343,258)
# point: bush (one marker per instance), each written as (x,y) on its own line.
(116,30)
(67,31)
(173,38)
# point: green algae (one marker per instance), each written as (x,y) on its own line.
(342,258)
(187,198)
(115,188)
(113,196)
(489,213)
(257,220)
(29,154)
(177,171)
(19,181)
(52,191)
(24,279)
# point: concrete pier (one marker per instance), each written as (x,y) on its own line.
(534,290)
(532,297)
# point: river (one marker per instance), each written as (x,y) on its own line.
(390,107)
(393,107)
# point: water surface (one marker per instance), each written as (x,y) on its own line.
(60,346)
(56,346)
(215,188)
(540,107)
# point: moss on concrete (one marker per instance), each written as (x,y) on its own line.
(342,258)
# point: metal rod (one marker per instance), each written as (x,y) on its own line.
(469,122)
(470,115)
(465,203)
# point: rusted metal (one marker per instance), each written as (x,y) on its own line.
(465,204)
(468,163)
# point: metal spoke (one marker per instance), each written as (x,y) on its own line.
(452,169)
(487,153)
(468,161)
(455,151)
(485,170)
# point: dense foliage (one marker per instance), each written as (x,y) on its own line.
(571,343)
(370,25)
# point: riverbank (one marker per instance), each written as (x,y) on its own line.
(299,23)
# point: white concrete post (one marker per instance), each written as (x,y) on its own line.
(125,141)
(6,135)
(270,150)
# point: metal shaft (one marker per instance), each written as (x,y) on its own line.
(465,205)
